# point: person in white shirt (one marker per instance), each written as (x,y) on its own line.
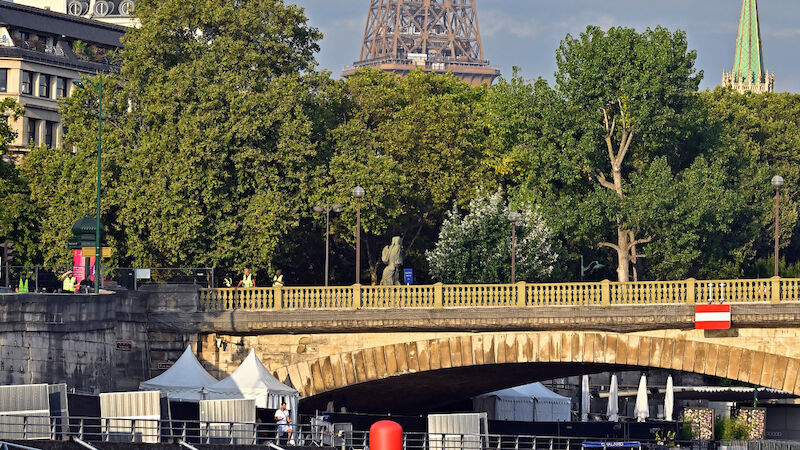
(283,421)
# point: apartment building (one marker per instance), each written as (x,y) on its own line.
(41,53)
(117,12)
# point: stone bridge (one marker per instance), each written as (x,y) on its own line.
(425,345)
(410,346)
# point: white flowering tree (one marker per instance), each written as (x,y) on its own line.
(476,248)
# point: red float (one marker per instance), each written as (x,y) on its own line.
(385,435)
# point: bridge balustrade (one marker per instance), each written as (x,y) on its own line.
(603,293)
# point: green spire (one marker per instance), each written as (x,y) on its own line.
(748,66)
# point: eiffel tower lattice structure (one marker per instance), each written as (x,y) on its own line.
(432,35)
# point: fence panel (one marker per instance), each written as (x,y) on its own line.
(563,294)
(721,291)
(317,297)
(414,296)
(648,292)
(476,295)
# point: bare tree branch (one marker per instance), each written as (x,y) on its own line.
(601,177)
(609,245)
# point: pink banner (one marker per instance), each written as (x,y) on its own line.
(78,269)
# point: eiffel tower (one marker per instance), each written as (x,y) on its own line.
(433,35)
(748,66)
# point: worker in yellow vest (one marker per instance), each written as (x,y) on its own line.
(247,280)
(277,280)
(69,283)
(23,284)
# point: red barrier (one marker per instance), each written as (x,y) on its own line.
(385,435)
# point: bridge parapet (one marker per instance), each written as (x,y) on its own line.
(603,293)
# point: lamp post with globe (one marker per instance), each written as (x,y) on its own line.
(777,183)
(358,193)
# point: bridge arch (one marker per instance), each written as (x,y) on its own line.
(549,354)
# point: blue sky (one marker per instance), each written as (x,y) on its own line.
(525,33)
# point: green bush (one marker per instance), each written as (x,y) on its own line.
(687,432)
(731,429)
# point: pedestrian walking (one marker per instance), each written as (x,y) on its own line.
(277,280)
(247,279)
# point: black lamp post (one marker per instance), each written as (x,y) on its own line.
(514,217)
(99,88)
(777,183)
(337,208)
(358,193)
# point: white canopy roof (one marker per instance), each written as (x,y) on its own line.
(252,380)
(183,381)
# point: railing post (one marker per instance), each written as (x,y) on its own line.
(691,291)
(521,301)
(605,292)
(278,297)
(438,295)
(357,296)
(776,289)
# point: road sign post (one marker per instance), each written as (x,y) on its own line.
(408,276)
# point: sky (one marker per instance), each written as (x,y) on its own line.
(526,33)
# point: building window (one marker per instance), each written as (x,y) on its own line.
(3,80)
(27,82)
(49,134)
(44,85)
(33,124)
(61,87)
(126,7)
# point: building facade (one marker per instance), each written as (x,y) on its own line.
(41,53)
(116,12)
(748,74)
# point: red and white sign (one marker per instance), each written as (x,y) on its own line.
(712,317)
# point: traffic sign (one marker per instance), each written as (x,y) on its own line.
(408,276)
(712,317)
(88,252)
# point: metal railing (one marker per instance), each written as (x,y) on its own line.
(43,278)
(603,293)
(94,429)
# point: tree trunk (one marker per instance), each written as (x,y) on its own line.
(623,255)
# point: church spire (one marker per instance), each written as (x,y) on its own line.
(748,66)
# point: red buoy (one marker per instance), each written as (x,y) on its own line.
(385,435)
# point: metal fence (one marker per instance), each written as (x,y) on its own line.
(127,429)
(43,278)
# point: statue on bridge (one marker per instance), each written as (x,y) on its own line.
(392,256)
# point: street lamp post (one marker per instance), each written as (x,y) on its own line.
(97,256)
(594,265)
(777,183)
(358,192)
(337,208)
(514,217)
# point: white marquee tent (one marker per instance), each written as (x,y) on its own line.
(252,380)
(184,381)
(529,403)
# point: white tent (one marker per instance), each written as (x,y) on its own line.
(184,381)
(252,380)
(529,403)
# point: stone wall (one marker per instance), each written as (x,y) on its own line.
(92,343)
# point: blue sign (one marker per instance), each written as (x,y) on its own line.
(408,276)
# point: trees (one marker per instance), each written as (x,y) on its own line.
(643,84)
(211,148)
(417,145)
(476,248)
